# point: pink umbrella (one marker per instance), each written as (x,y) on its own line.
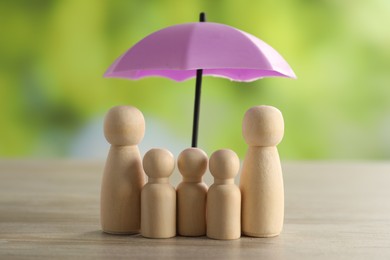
(187,50)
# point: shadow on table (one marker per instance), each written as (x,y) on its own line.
(107,245)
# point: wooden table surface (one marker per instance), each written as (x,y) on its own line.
(334,210)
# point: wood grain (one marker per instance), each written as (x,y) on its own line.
(49,209)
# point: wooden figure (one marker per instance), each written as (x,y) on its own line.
(261,180)
(192,193)
(123,177)
(224,197)
(158,196)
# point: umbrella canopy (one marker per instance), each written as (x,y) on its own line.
(187,50)
(176,52)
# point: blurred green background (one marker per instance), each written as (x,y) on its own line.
(53,96)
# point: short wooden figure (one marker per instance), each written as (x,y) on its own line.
(224,197)
(261,180)
(192,193)
(123,176)
(158,196)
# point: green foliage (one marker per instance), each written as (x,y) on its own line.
(53,55)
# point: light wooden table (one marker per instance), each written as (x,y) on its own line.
(50,209)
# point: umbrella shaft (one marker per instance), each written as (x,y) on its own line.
(198,88)
(195,125)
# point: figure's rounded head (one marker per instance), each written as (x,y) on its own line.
(158,163)
(263,126)
(124,125)
(224,164)
(192,163)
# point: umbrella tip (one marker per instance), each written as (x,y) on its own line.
(202,17)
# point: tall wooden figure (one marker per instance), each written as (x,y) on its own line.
(158,196)
(123,177)
(261,181)
(224,197)
(192,193)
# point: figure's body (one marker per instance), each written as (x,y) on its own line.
(123,176)
(261,181)
(158,196)
(192,193)
(224,197)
